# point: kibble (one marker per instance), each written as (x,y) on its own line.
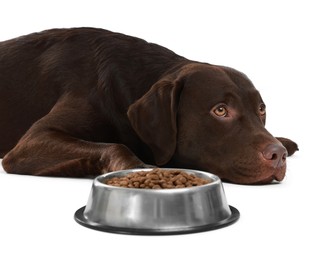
(157,179)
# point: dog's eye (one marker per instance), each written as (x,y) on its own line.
(220,111)
(262,109)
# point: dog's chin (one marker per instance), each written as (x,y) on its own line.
(266,176)
(269,180)
(277,175)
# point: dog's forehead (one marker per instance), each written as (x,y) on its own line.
(217,75)
(217,80)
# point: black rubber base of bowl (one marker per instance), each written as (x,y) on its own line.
(79,217)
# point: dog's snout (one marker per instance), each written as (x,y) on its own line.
(275,154)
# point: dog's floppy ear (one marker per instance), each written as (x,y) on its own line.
(154,116)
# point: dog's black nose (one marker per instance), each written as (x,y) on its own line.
(276,154)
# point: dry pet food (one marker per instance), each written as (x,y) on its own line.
(157,179)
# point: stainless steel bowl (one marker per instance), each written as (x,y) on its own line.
(150,212)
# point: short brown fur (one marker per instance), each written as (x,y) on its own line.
(81,102)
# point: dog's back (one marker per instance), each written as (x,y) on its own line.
(27,88)
(35,70)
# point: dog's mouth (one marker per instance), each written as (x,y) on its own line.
(269,180)
(268,175)
(274,170)
(258,179)
(272,165)
(252,167)
(257,174)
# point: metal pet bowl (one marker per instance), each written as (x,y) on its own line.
(156,212)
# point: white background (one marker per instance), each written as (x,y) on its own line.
(278,44)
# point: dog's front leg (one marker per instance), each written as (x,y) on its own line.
(68,158)
(290,145)
(51,147)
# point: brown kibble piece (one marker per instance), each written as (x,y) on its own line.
(157,179)
(123,183)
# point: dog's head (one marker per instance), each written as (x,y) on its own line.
(210,118)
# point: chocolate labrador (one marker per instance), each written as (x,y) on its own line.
(81,102)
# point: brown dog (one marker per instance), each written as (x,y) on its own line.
(80,102)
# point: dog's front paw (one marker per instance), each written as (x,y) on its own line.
(290,145)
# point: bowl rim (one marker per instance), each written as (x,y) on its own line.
(98,181)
